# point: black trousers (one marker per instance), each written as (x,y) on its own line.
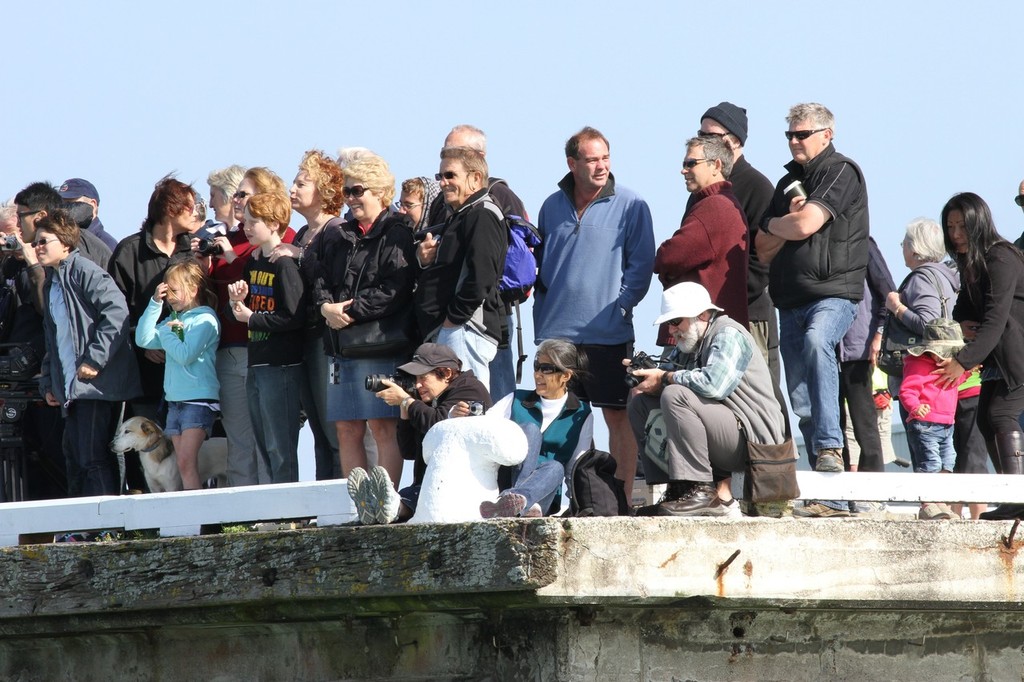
(855,387)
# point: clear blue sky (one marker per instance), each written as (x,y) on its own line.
(927,95)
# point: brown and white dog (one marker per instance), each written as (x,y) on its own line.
(156,452)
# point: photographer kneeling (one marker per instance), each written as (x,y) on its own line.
(442,385)
(722,396)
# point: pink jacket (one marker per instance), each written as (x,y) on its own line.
(919,387)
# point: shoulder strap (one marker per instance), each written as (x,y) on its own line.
(938,288)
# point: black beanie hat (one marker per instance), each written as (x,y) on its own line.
(730,117)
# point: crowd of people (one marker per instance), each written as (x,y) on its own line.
(383,315)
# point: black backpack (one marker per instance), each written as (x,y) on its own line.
(594,490)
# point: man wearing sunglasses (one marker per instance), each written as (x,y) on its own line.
(710,246)
(1019,200)
(816,242)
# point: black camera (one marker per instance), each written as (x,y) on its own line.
(476,408)
(9,243)
(640,360)
(375,382)
(208,247)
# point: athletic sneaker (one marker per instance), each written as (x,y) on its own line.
(507,504)
(358,491)
(384,499)
(729,510)
(935,511)
(817,510)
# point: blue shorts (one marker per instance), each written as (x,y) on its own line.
(181,416)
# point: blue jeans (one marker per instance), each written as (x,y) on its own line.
(274,406)
(808,338)
(503,367)
(538,481)
(314,402)
(474,349)
(931,446)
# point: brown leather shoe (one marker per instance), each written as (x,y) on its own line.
(700,500)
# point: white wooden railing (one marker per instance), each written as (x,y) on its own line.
(183,513)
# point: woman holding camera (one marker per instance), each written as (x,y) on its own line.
(443,388)
(362,290)
(566,428)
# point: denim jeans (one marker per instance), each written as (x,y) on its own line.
(314,403)
(931,446)
(274,406)
(503,367)
(232,373)
(538,481)
(808,338)
(474,349)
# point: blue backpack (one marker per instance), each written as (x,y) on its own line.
(520,271)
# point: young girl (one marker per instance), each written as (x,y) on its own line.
(931,406)
(189,338)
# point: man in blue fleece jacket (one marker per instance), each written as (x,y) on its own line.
(595,266)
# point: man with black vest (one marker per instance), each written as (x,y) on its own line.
(815,237)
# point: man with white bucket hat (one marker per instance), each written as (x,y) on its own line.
(715,392)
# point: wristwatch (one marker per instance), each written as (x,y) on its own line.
(666,379)
(406,402)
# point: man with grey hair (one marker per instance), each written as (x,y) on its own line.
(818,217)
(710,246)
(502,367)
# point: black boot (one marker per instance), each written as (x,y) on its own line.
(676,490)
(1010,448)
(700,499)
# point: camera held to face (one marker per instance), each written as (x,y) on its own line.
(375,382)
(640,360)
(208,247)
(9,242)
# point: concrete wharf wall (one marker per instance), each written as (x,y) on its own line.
(546,599)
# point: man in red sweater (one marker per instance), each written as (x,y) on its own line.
(710,246)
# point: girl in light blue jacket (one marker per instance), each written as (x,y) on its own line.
(189,337)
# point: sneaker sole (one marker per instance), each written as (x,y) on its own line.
(359,492)
(385,499)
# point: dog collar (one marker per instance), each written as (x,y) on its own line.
(151,448)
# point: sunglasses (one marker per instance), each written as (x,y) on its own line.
(676,322)
(43,242)
(545,368)
(239,195)
(802,134)
(1019,200)
(447,175)
(707,134)
(355,191)
(690,164)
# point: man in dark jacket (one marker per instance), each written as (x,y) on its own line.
(83,191)
(817,246)
(503,373)
(457,300)
(753,190)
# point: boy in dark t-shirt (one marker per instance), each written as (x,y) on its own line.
(270,300)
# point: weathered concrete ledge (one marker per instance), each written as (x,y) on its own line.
(548,599)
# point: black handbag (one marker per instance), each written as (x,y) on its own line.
(391,335)
(771,472)
(897,337)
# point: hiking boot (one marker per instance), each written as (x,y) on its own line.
(384,499)
(830,460)
(868,509)
(700,500)
(817,510)
(507,505)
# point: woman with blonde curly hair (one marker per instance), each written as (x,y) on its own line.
(316,195)
(366,282)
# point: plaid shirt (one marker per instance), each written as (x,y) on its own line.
(728,355)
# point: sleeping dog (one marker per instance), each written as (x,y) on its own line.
(156,452)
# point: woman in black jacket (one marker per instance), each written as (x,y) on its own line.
(363,290)
(990,309)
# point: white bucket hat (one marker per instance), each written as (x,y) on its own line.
(686,299)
